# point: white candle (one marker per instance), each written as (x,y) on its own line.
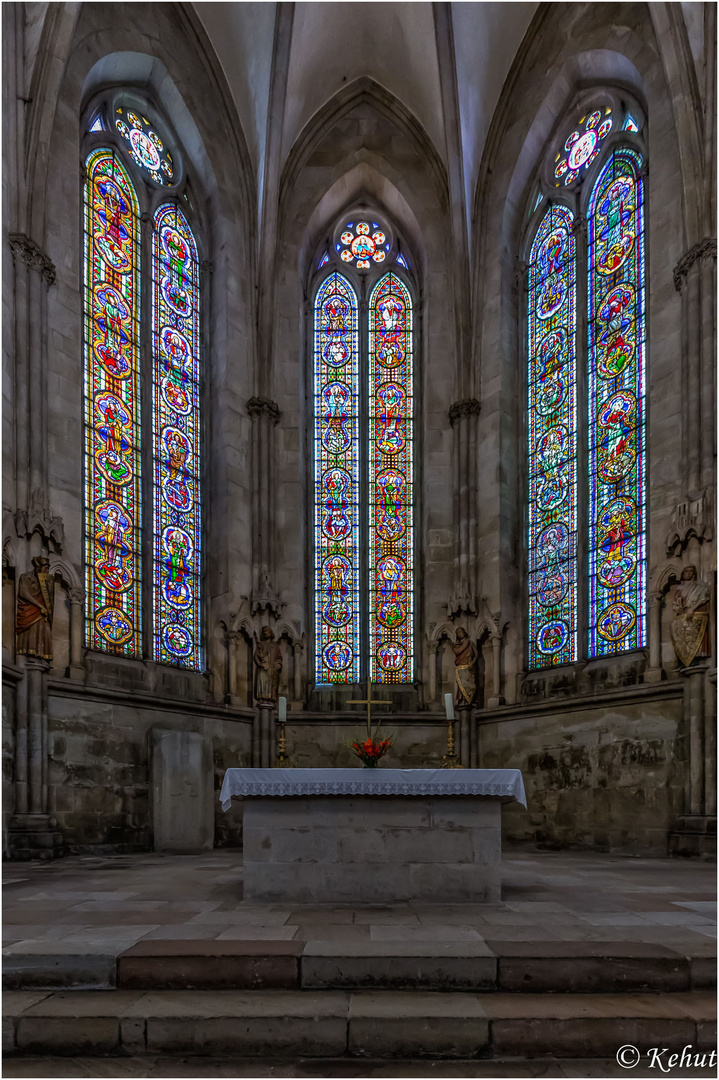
(282,710)
(449,706)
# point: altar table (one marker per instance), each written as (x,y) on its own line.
(372,836)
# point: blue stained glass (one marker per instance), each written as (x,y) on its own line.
(391,483)
(617,408)
(552,443)
(176,437)
(336,483)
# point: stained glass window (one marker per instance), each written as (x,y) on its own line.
(176,438)
(336,482)
(552,447)
(616,407)
(582,145)
(391,592)
(144,145)
(112,407)
(362,244)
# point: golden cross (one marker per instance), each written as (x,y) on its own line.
(369,702)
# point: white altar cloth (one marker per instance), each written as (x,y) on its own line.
(505,783)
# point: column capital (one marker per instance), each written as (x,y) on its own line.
(704,249)
(461,409)
(76,595)
(432,646)
(263,407)
(27,251)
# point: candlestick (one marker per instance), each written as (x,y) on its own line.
(450,759)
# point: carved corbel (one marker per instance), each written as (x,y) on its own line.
(27,251)
(704,249)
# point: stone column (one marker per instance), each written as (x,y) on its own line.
(76,598)
(297,670)
(233,640)
(463,418)
(654,673)
(266,727)
(465,718)
(33,831)
(695,279)
(710,745)
(694,721)
(432,647)
(496,698)
(265,415)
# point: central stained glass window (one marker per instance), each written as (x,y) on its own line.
(363,476)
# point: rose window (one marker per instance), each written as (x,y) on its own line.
(144,145)
(582,146)
(363,244)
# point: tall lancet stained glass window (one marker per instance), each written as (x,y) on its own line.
(552,445)
(176,441)
(390,469)
(616,408)
(336,482)
(113,515)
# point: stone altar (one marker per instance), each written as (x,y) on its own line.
(372,836)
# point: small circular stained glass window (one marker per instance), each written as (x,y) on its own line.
(582,145)
(362,243)
(144,145)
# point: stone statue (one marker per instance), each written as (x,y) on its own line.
(35,603)
(465,669)
(268,665)
(690,623)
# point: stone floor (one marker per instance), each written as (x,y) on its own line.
(547,896)
(42,1067)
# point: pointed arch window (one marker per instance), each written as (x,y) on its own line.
(363,417)
(142,430)
(586,520)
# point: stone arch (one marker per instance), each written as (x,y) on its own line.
(621,55)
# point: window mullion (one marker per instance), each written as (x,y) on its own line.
(146,440)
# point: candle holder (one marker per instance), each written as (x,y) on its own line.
(450,759)
(283,761)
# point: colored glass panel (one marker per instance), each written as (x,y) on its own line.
(616,408)
(144,145)
(112,408)
(552,445)
(391,412)
(176,441)
(336,483)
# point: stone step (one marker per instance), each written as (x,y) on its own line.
(527,967)
(391,1024)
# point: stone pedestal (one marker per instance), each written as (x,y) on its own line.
(34,836)
(372,850)
(694,834)
(182,791)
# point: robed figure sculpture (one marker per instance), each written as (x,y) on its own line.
(268,665)
(35,603)
(690,622)
(465,669)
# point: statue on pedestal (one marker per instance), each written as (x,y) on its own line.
(690,623)
(35,604)
(268,665)
(465,670)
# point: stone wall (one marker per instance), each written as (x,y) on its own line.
(604,746)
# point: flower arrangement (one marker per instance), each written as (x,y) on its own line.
(370,751)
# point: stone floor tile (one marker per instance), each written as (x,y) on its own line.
(178,933)
(398,932)
(256,933)
(332,917)
(333,932)
(208,1003)
(392,1003)
(678,918)
(15,1002)
(401,917)
(210,918)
